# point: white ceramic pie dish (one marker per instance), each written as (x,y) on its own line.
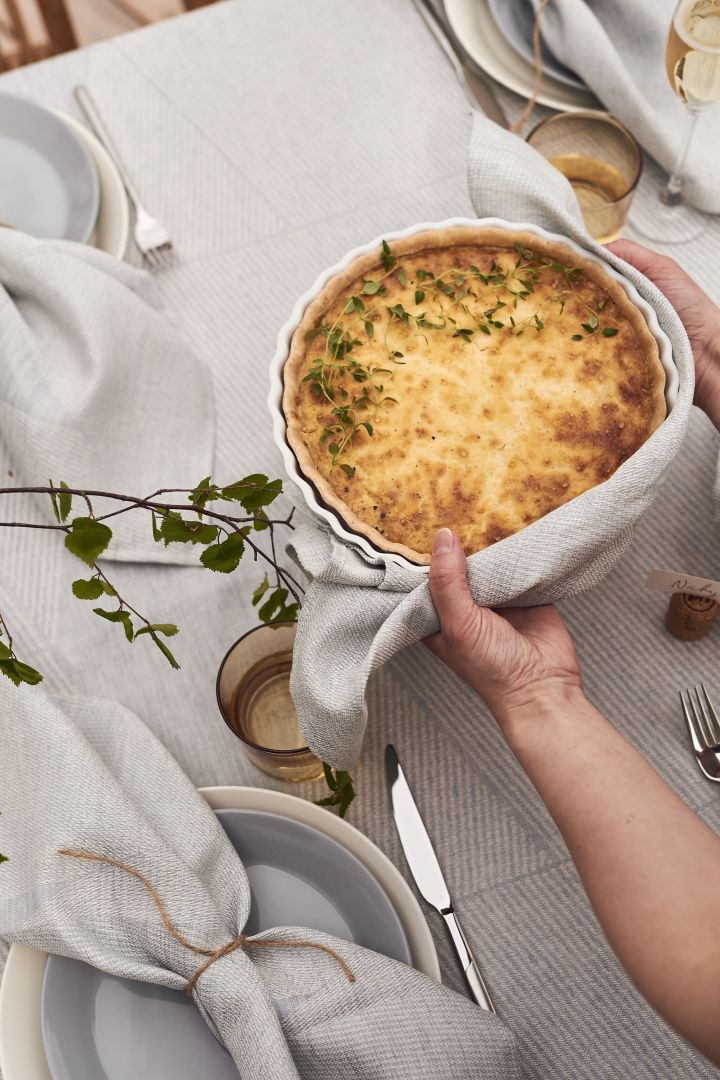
(311,496)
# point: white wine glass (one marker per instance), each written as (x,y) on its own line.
(692,62)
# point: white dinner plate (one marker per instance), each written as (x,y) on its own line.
(22,1056)
(477,32)
(48,183)
(112,225)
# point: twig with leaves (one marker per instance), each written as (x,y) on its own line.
(223,537)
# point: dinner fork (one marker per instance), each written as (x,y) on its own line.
(151,237)
(704,729)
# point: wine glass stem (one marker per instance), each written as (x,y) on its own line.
(671,194)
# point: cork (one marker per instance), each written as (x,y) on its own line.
(690,617)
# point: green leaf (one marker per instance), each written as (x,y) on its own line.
(107,588)
(609,331)
(577,337)
(275,602)
(5,653)
(223,558)
(178,530)
(88,539)
(166,652)
(252,491)
(17,672)
(167,628)
(3,858)
(419,296)
(65,502)
(205,492)
(260,591)
(388,259)
(369,328)
(288,613)
(157,535)
(27,674)
(87,590)
(402,278)
(354,304)
(329,776)
(118,616)
(53,500)
(349,470)
(371,287)
(368,427)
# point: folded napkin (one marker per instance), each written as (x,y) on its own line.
(358,613)
(88,776)
(96,386)
(619,50)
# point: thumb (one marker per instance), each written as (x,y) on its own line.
(448,581)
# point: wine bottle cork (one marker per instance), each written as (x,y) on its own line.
(690,617)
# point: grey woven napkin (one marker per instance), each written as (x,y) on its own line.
(619,50)
(357,613)
(87,775)
(96,386)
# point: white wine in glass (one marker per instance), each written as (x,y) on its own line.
(692,62)
(692,53)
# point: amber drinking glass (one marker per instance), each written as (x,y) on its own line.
(253,692)
(601,160)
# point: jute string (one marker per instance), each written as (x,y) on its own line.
(532,100)
(212,955)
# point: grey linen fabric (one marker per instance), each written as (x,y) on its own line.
(358,614)
(618,49)
(96,387)
(88,775)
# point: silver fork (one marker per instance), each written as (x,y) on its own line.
(704,729)
(151,237)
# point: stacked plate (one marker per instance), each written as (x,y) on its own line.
(63,1020)
(498,36)
(57,181)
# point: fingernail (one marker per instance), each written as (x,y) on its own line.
(444,541)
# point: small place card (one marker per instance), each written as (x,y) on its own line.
(674,582)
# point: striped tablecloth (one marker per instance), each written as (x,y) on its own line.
(271,137)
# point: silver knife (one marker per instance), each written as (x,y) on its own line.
(475,83)
(426,871)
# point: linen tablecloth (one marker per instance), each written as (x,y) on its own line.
(271,137)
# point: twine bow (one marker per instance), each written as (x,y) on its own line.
(212,954)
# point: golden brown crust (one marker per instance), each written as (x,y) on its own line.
(490,431)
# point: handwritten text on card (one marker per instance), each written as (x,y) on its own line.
(673,581)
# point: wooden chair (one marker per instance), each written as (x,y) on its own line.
(39,31)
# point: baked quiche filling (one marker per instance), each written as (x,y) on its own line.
(469,378)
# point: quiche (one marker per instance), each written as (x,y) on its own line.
(475,378)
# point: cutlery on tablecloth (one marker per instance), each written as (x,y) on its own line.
(704,730)
(475,83)
(150,235)
(426,871)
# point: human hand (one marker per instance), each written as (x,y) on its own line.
(700,317)
(516,659)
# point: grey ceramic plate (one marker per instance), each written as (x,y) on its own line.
(515,20)
(99,1027)
(48,183)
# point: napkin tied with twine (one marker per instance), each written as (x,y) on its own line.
(115,859)
(358,613)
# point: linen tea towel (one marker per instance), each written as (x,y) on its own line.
(357,613)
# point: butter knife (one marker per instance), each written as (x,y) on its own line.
(428,876)
(475,83)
